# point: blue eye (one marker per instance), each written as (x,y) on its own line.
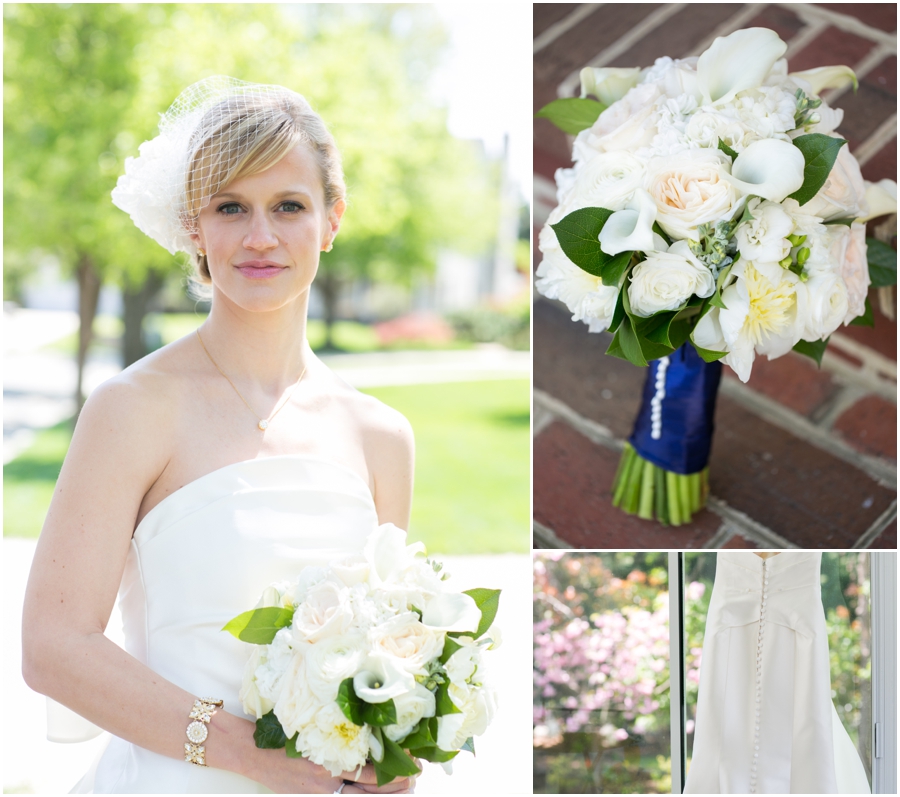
(291,207)
(229,209)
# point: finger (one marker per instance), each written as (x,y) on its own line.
(364,774)
(399,786)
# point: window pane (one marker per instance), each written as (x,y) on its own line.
(601,673)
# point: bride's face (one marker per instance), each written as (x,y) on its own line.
(263,234)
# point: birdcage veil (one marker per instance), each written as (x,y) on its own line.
(214,128)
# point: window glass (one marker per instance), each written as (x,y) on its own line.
(601,673)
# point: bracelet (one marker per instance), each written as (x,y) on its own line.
(201,714)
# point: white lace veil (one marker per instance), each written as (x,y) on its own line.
(212,127)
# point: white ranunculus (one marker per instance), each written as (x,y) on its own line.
(325,612)
(666,280)
(631,229)
(844,193)
(588,299)
(333,742)
(412,643)
(827,305)
(764,237)
(607,180)
(381,679)
(297,705)
(689,190)
(451,611)
(826,77)
(608,84)
(388,554)
(768,168)
(742,60)
(410,708)
(627,124)
(331,660)
(477,709)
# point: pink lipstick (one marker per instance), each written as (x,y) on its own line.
(259,269)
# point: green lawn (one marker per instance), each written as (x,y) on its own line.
(472,474)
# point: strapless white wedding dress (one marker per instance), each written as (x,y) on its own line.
(204,555)
(765,720)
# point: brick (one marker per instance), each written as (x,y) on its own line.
(679,36)
(547,137)
(792,380)
(884,76)
(887,540)
(831,46)
(572,495)
(883,164)
(783,21)
(882,16)
(797,490)
(869,107)
(882,337)
(546,163)
(740,542)
(870,426)
(547,14)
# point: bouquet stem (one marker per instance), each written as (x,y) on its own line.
(648,491)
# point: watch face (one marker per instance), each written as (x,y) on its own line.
(197,732)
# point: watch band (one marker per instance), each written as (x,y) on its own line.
(197,731)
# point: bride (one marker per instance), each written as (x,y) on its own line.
(211,468)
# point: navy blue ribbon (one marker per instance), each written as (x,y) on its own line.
(686,413)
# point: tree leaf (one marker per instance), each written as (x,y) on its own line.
(867,319)
(727,150)
(348,701)
(488,601)
(291,750)
(619,312)
(819,153)
(378,714)
(813,349)
(615,346)
(845,222)
(395,764)
(443,704)
(420,736)
(882,263)
(450,647)
(269,735)
(708,355)
(572,114)
(259,626)
(433,754)
(615,267)
(578,236)
(630,343)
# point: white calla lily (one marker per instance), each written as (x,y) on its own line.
(768,168)
(387,552)
(452,611)
(381,680)
(631,229)
(608,84)
(827,77)
(742,60)
(881,197)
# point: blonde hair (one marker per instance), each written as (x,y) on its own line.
(245,134)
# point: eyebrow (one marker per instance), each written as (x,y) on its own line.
(279,195)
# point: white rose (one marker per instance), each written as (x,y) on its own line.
(607,180)
(627,124)
(297,705)
(331,660)
(407,640)
(827,306)
(764,237)
(325,612)
(666,280)
(410,708)
(689,190)
(844,192)
(332,741)
(477,708)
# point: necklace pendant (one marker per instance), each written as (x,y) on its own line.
(263,425)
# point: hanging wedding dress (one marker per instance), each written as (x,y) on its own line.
(204,555)
(765,720)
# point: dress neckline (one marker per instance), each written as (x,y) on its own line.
(219,471)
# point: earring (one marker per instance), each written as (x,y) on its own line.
(329,247)
(201,252)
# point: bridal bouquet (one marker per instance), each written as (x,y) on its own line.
(712,214)
(370,659)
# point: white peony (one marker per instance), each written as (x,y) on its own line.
(297,705)
(666,280)
(827,305)
(410,707)
(331,660)
(332,741)
(407,640)
(325,612)
(308,578)
(690,189)
(844,193)
(764,237)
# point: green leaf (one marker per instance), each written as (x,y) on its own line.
(291,748)
(379,714)
(882,263)
(615,347)
(578,236)
(814,349)
(618,313)
(259,626)
(819,153)
(433,754)
(661,233)
(348,701)
(420,736)
(727,150)
(656,327)
(617,265)
(269,735)
(488,601)
(572,114)
(630,343)
(450,647)
(443,704)
(867,319)
(708,355)
(469,745)
(395,764)
(845,222)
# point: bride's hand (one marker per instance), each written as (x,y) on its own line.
(366,783)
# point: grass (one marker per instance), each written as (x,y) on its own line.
(472,470)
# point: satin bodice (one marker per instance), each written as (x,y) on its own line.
(205,554)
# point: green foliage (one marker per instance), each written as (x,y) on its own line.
(571,114)
(269,735)
(359,712)
(578,234)
(882,263)
(509,325)
(395,764)
(259,626)
(487,601)
(819,153)
(867,319)
(812,349)
(726,149)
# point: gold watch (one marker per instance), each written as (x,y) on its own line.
(197,730)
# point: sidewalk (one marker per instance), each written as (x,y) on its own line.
(34,765)
(801,457)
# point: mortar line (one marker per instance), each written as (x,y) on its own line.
(860,69)
(720,538)
(886,131)
(730,25)
(547,537)
(746,525)
(568,22)
(880,524)
(808,13)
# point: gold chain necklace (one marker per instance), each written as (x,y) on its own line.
(263,422)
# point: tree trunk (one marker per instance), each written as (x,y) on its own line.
(135,303)
(330,287)
(89,282)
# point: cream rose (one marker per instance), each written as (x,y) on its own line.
(690,189)
(855,271)
(666,280)
(325,612)
(406,639)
